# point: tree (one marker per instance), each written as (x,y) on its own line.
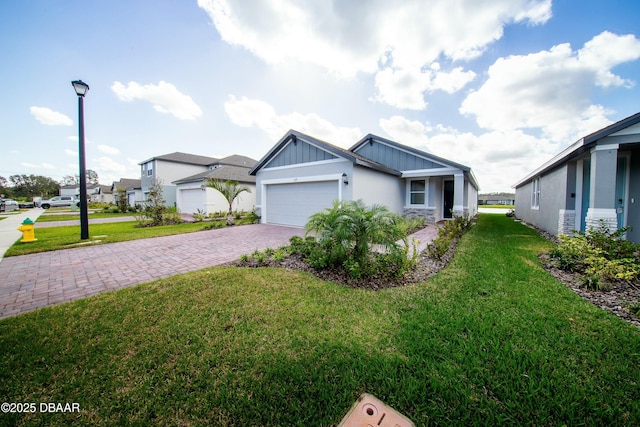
(121,199)
(69,180)
(34,185)
(4,187)
(230,190)
(155,204)
(92,178)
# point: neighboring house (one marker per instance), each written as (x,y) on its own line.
(101,193)
(96,193)
(302,175)
(133,189)
(168,168)
(595,179)
(497,199)
(193,195)
(69,190)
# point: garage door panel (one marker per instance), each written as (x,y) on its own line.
(293,204)
(191,200)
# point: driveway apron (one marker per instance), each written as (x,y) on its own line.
(29,282)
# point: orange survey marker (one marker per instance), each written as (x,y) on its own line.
(371,412)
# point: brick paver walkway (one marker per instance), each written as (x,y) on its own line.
(32,281)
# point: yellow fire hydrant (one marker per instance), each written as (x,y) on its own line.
(28,232)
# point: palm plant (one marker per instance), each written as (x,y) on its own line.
(349,230)
(230,190)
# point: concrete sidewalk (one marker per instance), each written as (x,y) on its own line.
(9,227)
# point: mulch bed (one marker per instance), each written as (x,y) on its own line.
(425,268)
(617,300)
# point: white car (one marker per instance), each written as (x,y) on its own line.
(57,201)
(9,205)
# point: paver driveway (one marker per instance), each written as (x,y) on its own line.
(32,281)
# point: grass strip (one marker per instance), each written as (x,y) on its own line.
(54,238)
(490,340)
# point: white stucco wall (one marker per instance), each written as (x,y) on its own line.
(378,188)
(213,201)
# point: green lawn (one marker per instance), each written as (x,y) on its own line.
(490,340)
(55,238)
(75,216)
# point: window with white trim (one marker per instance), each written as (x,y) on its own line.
(418,192)
(535,193)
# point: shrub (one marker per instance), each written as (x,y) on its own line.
(351,236)
(199,216)
(602,255)
(447,234)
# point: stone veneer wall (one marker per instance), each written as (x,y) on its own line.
(428,214)
(566,222)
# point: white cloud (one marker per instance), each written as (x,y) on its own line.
(546,89)
(109,169)
(165,97)
(106,149)
(404,88)
(247,112)
(69,152)
(46,116)
(498,158)
(42,165)
(397,39)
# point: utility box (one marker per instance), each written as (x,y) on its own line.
(371,412)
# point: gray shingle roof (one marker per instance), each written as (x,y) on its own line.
(187,158)
(127,183)
(223,172)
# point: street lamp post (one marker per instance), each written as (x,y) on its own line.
(81,89)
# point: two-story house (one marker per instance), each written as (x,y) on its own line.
(168,168)
(183,179)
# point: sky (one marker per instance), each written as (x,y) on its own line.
(500,86)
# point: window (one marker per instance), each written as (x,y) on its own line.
(535,194)
(417,192)
(147,169)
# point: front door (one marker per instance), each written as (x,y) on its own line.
(448,199)
(621,193)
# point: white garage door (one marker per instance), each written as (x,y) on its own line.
(292,204)
(191,200)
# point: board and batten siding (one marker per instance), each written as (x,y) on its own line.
(299,152)
(395,158)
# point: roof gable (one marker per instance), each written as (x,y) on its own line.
(293,138)
(399,156)
(299,149)
(621,130)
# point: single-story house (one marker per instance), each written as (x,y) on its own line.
(192,194)
(497,199)
(595,179)
(133,188)
(302,175)
(96,192)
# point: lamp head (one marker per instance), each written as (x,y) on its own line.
(80,87)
